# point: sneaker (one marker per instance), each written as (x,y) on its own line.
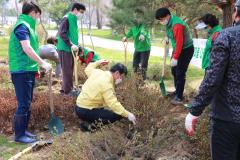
(176,101)
(87,127)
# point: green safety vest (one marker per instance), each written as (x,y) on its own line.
(135,32)
(187,35)
(96,56)
(18,60)
(72,33)
(207,50)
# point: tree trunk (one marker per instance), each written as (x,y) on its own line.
(16,6)
(99,19)
(227,15)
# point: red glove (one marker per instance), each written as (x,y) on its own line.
(190,124)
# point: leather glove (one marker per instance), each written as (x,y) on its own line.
(141,37)
(190,124)
(45,65)
(132,118)
(124,39)
(74,48)
(174,62)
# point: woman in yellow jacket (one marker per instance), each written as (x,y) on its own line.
(97,100)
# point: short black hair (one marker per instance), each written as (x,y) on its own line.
(51,40)
(210,19)
(78,6)
(29,6)
(122,69)
(162,12)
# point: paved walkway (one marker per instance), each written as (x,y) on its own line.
(113,44)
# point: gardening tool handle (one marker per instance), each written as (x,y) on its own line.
(50,92)
(125,44)
(164,57)
(75,68)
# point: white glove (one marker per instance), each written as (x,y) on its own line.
(74,48)
(132,118)
(124,39)
(190,123)
(141,37)
(45,65)
(174,62)
(166,39)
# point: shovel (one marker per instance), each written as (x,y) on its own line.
(125,52)
(161,82)
(75,68)
(55,125)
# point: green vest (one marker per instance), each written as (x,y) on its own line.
(207,50)
(72,33)
(135,32)
(18,60)
(187,35)
(96,56)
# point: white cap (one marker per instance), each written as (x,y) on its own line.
(200,25)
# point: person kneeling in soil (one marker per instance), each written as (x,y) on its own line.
(87,55)
(97,92)
(49,51)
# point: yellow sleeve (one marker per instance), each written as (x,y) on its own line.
(90,67)
(112,102)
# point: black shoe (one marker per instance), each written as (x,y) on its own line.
(176,101)
(20,123)
(85,127)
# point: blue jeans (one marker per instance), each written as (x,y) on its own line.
(98,114)
(23,84)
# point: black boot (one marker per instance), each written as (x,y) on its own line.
(20,123)
(26,132)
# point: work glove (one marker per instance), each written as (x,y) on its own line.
(74,48)
(166,39)
(132,118)
(124,39)
(141,38)
(45,65)
(174,62)
(190,124)
(103,62)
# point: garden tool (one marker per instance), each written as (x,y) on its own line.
(161,82)
(75,68)
(55,125)
(125,52)
(34,147)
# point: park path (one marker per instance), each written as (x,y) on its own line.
(112,44)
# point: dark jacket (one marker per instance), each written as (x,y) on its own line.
(221,84)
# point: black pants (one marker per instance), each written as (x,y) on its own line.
(140,62)
(94,115)
(179,71)
(66,60)
(225,140)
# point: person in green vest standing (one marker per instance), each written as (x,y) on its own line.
(24,62)
(67,41)
(142,44)
(179,34)
(210,22)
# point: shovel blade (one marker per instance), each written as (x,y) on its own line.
(55,125)
(162,87)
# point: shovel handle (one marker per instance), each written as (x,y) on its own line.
(75,68)
(125,44)
(50,92)
(164,57)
